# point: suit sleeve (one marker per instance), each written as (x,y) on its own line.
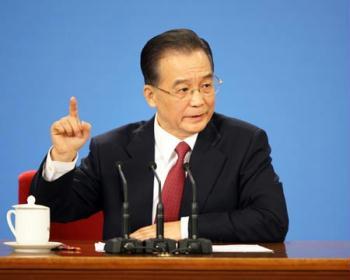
(73,196)
(262,213)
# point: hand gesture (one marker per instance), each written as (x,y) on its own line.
(69,134)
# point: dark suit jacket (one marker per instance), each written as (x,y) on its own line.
(240,196)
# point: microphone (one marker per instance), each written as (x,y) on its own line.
(160,206)
(124,244)
(159,244)
(193,244)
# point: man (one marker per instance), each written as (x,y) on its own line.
(240,196)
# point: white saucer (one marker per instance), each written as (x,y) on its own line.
(32,248)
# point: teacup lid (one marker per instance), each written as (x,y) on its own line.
(30,204)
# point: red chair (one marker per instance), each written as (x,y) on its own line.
(84,229)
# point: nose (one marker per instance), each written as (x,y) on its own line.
(197,98)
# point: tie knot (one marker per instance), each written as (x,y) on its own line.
(181,149)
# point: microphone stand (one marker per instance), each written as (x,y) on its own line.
(124,244)
(159,244)
(193,244)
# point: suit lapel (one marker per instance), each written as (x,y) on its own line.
(206,164)
(140,179)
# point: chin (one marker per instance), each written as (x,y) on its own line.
(196,125)
(196,128)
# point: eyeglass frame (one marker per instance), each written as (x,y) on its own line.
(216,78)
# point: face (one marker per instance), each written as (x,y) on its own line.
(182,117)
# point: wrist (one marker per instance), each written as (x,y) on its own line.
(63,157)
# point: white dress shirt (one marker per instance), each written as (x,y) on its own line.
(165,157)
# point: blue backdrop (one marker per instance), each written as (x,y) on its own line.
(285,66)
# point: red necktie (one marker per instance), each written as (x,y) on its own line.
(174,184)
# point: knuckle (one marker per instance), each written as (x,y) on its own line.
(55,124)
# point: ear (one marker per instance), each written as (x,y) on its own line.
(149,95)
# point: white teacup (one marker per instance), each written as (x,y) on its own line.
(32,222)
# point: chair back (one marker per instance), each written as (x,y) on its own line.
(84,229)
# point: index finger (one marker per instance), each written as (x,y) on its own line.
(73,107)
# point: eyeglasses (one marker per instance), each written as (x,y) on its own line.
(208,87)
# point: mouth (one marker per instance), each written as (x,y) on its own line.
(197,117)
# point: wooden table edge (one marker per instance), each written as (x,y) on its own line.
(175,263)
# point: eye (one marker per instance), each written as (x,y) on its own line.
(183,90)
(206,85)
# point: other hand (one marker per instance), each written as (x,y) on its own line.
(172,230)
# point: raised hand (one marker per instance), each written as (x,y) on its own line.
(69,134)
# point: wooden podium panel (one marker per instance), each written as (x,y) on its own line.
(290,260)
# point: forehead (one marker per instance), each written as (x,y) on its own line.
(179,65)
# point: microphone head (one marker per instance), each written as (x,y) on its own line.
(152,165)
(186,166)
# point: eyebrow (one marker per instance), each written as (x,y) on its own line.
(180,81)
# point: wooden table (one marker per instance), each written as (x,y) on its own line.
(290,260)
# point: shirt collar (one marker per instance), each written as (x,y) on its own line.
(166,142)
